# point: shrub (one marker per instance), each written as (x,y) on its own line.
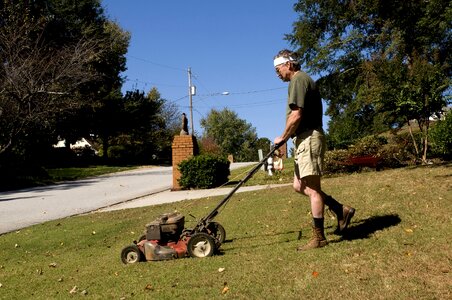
(400,150)
(368,145)
(118,153)
(391,155)
(336,161)
(441,137)
(204,171)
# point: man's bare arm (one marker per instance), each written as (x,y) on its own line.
(291,125)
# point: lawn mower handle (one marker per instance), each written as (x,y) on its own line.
(207,219)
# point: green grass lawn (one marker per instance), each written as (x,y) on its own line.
(398,247)
(60,174)
(48,176)
(261,177)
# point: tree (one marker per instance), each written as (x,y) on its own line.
(367,53)
(140,127)
(57,59)
(37,84)
(264,144)
(441,135)
(232,134)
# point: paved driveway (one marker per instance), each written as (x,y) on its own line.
(27,207)
(22,208)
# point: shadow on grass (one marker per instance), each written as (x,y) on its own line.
(259,242)
(251,236)
(363,229)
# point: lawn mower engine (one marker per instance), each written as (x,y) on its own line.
(165,238)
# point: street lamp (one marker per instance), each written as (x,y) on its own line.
(191,93)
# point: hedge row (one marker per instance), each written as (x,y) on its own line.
(204,171)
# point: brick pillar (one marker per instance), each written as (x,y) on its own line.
(183,147)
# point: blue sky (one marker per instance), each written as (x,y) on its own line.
(229,46)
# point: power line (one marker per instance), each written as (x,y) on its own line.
(156,64)
(152,83)
(258,91)
(252,104)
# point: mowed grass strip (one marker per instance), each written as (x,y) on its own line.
(398,247)
(74,173)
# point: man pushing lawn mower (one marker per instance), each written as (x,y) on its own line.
(304,126)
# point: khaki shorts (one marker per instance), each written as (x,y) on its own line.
(310,152)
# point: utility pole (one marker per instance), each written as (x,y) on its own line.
(191,92)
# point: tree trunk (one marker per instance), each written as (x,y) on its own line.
(105,145)
(414,140)
(424,155)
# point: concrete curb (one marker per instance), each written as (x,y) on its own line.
(169,196)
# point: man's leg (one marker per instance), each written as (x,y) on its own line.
(343,213)
(310,186)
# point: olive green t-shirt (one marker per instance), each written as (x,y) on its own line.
(303,93)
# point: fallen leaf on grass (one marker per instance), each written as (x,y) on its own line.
(315,274)
(409,230)
(53,265)
(74,290)
(148,287)
(225,288)
(221,269)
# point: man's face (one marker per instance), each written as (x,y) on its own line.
(283,71)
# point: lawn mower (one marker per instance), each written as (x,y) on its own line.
(166,238)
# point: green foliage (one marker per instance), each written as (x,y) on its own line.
(232,134)
(204,171)
(390,154)
(381,63)
(59,58)
(399,150)
(264,144)
(441,136)
(137,122)
(336,161)
(118,153)
(369,145)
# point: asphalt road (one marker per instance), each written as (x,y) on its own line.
(23,208)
